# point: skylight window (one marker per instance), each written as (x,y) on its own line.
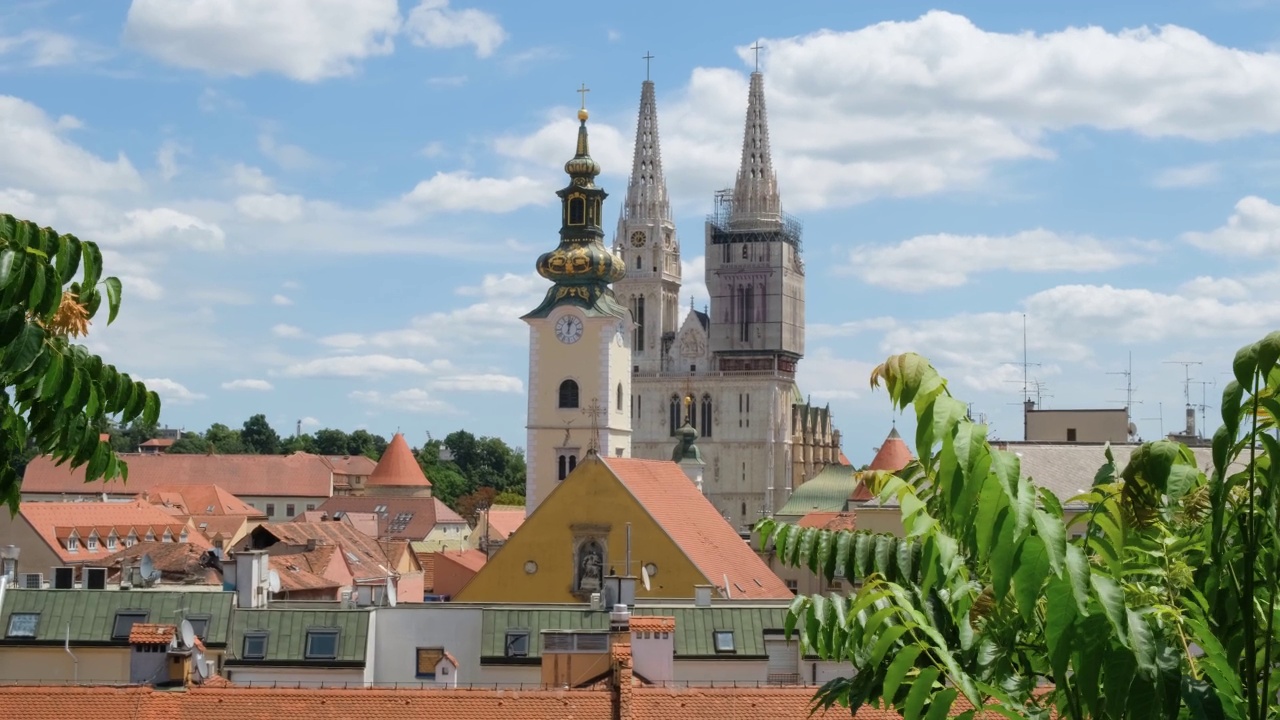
(322,644)
(125,620)
(23,625)
(517,644)
(724,641)
(255,645)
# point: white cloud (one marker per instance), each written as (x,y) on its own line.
(279,299)
(171,391)
(1253,229)
(247,384)
(355,366)
(693,283)
(167,159)
(306,40)
(1211,287)
(1187,176)
(819,331)
(457,191)
(943,260)
(910,108)
(287,331)
(480,383)
(251,178)
(411,400)
(166,226)
(432,23)
(34,156)
(276,207)
(829,377)
(310,422)
(47,49)
(287,156)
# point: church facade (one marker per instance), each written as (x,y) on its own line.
(730,371)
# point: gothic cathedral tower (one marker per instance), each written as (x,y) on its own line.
(579,341)
(646,240)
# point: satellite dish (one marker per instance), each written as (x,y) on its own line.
(644,576)
(147,568)
(273,581)
(187,633)
(391,593)
(198,666)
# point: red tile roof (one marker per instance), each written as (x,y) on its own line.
(151,634)
(652,623)
(697,528)
(892,456)
(398,467)
(301,571)
(296,475)
(178,562)
(200,500)
(366,558)
(54,522)
(404,518)
(504,520)
(472,560)
(827,520)
(351,464)
(219,699)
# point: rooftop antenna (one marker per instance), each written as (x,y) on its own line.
(1128,383)
(1026,365)
(1160,406)
(298,431)
(1186,383)
(1204,398)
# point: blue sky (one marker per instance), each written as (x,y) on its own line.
(329,210)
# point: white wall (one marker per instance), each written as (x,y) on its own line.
(398,632)
(295,675)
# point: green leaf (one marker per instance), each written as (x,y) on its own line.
(73,388)
(1003,547)
(897,672)
(91,259)
(921,689)
(51,383)
(1246,361)
(113,298)
(844,544)
(11,323)
(1112,599)
(1268,352)
(941,705)
(67,272)
(7,258)
(1031,571)
(1143,642)
(18,356)
(1078,573)
(1054,535)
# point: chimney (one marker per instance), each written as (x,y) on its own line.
(251,567)
(653,647)
(311,544)
(1191,421)
(620,687)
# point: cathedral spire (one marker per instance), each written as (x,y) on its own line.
(647,190)
(755,194)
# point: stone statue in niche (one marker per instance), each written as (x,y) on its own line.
(590,565)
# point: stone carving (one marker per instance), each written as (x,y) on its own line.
(590,565)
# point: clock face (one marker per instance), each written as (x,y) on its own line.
(569,329)
(637,238)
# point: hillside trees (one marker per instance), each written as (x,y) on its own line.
(55,396)
(1165,607)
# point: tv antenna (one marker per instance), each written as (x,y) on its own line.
(1204,399)
(1026,366)
(1160,407)
(1128,383)
(1186,370)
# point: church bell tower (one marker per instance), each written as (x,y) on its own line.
(579,340)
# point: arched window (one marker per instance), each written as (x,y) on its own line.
(744,509)
(618,405)
(563,467)
(568,394)
(577,210)
(675,414)
(706,415)
(573,462)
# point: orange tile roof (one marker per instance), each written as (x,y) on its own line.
(176,561)
(54,521)
(219,698)
(351,464)
(151,634)
(201,500)
(296,475)
(472,560)
(366,558)
(296,572)
(407,518)
(653,623)
(893,454)
(829,520)
(504,520)
(428,562)
(159,443)
(398,467)
(697,528)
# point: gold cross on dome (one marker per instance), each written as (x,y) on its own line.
(583,92)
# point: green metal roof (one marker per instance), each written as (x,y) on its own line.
(287,628)
(694,627)
(825,492)
(91,613)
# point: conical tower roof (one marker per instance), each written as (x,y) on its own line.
(647,188)
(755,194)
(893,454)
(398,467)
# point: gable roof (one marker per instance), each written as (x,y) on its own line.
(54,522)
(398,467)
(200,500)
(472,560)
(404,518)
(152,634)
(296,475)
(504,520)
(692,522)
(178,562)
(90,614)
(366,558)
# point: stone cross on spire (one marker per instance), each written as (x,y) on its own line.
(647,189)
(595,411)
(755,194)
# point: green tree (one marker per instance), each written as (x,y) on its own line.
(362,442)
(127,438)
(259,437)
(298,443)
(1165,607)
(225,441)
(447,483)
(331,442)
(191,443)
(508,498)
(55,395)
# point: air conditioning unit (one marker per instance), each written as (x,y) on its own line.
(31,581)
(95,579)
(64,578)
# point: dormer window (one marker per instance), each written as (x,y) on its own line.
(91,543)
(167,537)
(111,543)
(182,536)
(150,536)
(131,539)
(73,544)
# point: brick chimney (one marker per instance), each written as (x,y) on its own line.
(620,687)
